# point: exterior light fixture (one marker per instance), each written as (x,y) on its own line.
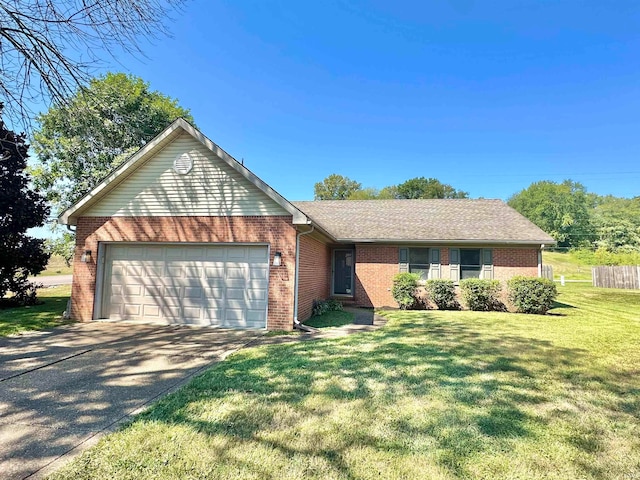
(277,259)
(86,256)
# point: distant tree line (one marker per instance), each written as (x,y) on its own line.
(338,187)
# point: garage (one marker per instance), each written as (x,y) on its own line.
(220,285)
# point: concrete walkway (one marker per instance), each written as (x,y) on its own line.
(62,389)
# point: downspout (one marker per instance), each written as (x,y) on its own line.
(540,261)
(296,322)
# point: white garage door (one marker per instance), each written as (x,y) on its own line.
(225,286)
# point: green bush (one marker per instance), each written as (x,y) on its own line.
(320,307)
(443,294)
(532,295)
(481,295)
(404,290)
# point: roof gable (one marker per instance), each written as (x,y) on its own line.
(438,220)
(147,185)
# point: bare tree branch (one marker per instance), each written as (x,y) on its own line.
(50,48)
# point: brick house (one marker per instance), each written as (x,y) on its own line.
(182,233)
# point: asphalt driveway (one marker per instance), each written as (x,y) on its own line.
(61,389)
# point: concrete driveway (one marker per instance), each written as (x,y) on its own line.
(61,389)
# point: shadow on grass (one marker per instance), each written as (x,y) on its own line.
(46,314)
(486,385)
(331,319)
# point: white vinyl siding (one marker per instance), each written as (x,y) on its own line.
(206,285)
(211,188)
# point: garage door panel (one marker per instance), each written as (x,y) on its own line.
(258,273)
(258,254)
(154,253)
(218,285)
(151,311)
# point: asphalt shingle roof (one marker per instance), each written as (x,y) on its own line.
(423,220)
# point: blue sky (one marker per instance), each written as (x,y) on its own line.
(486,96)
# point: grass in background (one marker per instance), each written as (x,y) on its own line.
(576,264)
(438,395)
(36,317)
(568,265)
(56,266)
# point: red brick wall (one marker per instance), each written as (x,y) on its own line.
(314,275)
(509,262)
(278,232)
(377,265)
(375,268)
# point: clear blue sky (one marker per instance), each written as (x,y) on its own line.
(486,96)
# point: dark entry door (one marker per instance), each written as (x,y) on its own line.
(343,272)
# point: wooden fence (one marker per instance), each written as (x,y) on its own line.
(627,276)
(547,272)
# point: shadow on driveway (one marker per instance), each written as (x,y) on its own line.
(60,388)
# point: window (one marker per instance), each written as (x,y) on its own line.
(470,263)
(419,262)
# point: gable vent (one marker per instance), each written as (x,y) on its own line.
(183,164)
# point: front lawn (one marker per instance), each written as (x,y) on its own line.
(36,317)
(432,395)
(334,318)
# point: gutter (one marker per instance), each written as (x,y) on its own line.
(296,322)
(399,241)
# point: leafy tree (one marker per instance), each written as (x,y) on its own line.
(421,187)
(63,246)
(42,42)
(21,208)
(335,187)
(364,194)
(95,131)
(617,222)
(560,209)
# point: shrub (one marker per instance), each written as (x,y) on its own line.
(25,293)
(320,307)
(443,294)
(481,295)
(404,289)
(532,295)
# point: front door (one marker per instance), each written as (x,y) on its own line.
(343,272)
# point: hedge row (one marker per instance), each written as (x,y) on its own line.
(528,295)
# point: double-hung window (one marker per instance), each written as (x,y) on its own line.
(470,263)
(419,262)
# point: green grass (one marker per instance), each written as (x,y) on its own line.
(568,265)
(432,395)
(330,319)
(36,317)
(56,266)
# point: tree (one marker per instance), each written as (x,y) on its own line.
(95,131)
(21,208)
(335,187)
(560,209)
(63,246)
(48,48)
(421,187)
(617,222)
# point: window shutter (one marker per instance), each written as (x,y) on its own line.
(403,256)
(454,264)
(434,268)
(487,263)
